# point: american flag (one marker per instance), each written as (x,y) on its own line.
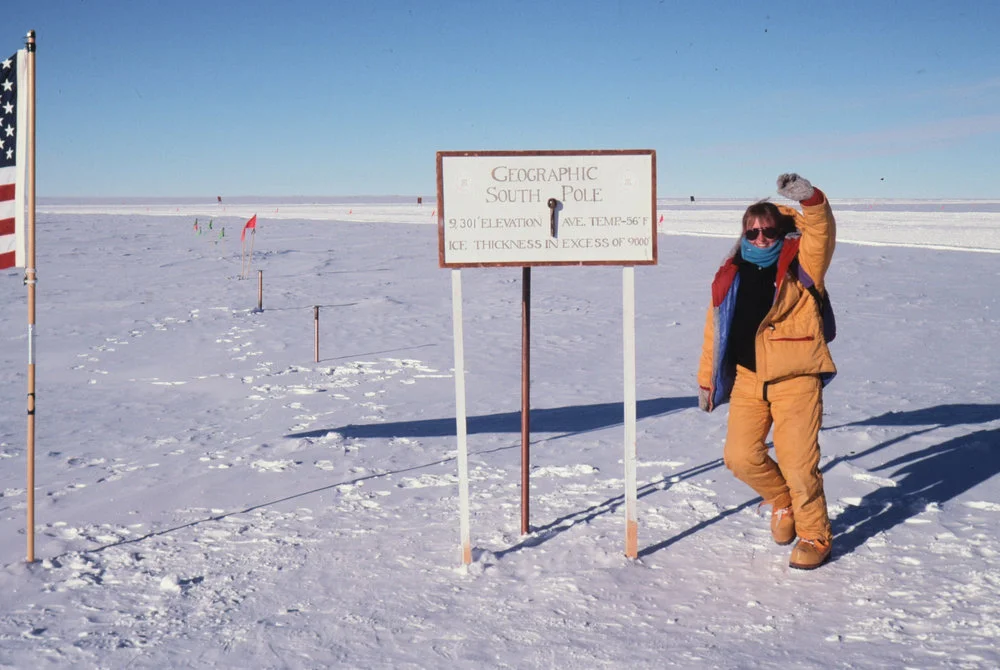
(12,162)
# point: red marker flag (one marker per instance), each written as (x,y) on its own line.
(252,223)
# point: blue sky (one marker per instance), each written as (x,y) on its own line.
(867,99)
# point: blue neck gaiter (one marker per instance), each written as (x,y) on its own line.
(764,258)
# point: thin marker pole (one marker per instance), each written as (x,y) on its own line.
(460,423)
(316,329)
(30,279)
(628,326)
(253,236)
(260,290)
(525,399)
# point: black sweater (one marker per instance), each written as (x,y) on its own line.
(753,300)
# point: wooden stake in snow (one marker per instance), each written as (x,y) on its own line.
(260,290)
(316,332)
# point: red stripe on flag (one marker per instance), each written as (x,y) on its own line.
(7,260)
(6,226)
(6,191)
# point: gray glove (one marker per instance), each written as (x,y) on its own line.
(794,187)
(704,399)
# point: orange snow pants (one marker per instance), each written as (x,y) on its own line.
(795,407)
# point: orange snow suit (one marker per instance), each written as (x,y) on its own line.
(793,363)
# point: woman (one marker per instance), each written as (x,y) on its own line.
(765,353)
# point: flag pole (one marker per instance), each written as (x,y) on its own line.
(253,235)
(29,280)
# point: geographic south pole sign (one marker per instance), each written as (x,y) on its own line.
(528,208)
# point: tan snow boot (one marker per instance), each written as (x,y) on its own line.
(782,525)
(810,554)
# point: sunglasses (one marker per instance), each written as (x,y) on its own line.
(769,233)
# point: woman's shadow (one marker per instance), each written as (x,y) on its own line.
(935,474)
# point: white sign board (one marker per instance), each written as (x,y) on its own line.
(546,208)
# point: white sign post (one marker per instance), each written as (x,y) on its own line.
(460,425)
(527,208)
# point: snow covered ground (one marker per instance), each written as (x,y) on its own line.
(210,496)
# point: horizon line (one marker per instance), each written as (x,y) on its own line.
(203,199)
